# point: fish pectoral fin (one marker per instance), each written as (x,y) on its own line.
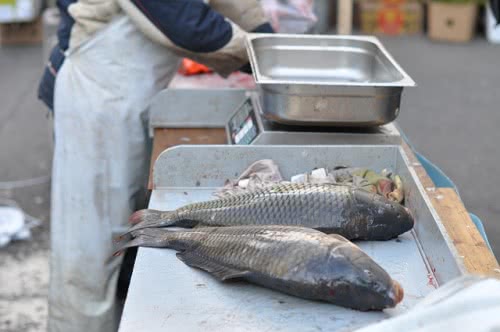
(228,274)
(221,272)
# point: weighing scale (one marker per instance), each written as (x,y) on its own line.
(248,125)
(239,111)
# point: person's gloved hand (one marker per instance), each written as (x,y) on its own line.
(276,9)
(305,7)
(263,28)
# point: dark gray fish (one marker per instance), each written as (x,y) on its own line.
(295,260)
(344,210)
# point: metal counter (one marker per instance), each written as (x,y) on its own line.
(165,294)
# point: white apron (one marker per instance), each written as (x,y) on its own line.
(100,167)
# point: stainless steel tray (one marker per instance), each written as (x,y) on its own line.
(165,293)
(326,80)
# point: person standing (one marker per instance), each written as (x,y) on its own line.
(112,57)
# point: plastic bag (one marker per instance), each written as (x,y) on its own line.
(15,224)
(290,16)
(468,303)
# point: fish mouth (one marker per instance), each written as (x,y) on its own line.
(397,293)
(410,220)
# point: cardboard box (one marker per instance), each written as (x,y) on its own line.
(21,33)
(391,17)
(452,22)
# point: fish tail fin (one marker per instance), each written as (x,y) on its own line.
(147,237)
(148,218)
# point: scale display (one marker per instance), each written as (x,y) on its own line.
(242,126)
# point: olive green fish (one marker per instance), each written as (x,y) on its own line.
(340,209)
(295,260)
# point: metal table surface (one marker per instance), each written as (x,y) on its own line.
(167,295)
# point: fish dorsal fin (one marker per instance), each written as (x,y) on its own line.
(219,271)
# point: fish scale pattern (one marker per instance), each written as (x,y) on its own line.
(345,210)
(269,250)
(287,204)
(296,260)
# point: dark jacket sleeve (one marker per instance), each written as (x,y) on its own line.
(191,29)
(189,24)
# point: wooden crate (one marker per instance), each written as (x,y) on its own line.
(27,33)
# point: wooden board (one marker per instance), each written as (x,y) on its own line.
(477,257)
(165,138)
(468,241)
(419,169)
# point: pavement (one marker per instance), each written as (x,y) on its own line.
(25,153)
(451,117)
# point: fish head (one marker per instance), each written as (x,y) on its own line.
(358,282)
(384,218)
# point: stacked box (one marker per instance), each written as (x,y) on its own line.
(454,22)
(391,17)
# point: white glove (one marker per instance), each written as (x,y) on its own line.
(276,10)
